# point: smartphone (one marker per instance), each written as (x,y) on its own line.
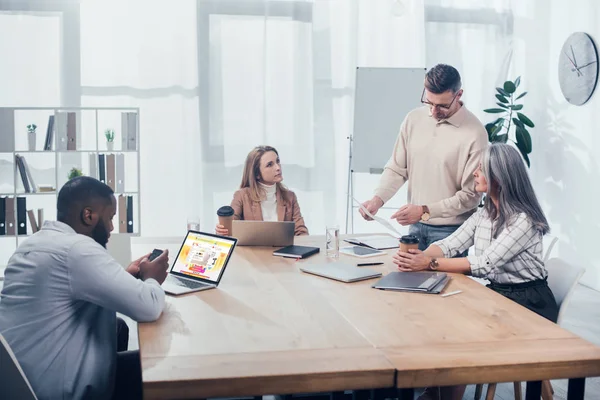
(155,253)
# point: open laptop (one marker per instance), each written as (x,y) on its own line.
(264,233)
(200,263)
(340,272)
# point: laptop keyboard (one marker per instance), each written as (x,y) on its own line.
(185,283)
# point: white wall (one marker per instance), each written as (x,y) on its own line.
(566,140)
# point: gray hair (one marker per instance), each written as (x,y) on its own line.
(507,178)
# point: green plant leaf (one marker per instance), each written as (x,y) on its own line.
(518,123)
(521,95)
(501,99)
(501,138)
(502,92)
(516,107)
(509,87)
(523,140)
(494,110)
(522,149)
(517,81)
(505,106)
(526,157)
(497,129)
(525,120)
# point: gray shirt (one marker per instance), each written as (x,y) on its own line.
(58,312)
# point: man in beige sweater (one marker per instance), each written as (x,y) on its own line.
(437,151)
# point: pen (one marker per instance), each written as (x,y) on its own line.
(451,293)
(366,264)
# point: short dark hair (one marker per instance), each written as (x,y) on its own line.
(79,191)
(441,78)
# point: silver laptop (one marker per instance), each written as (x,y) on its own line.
(264,233)
(421,282)
(340,271)
(200,263)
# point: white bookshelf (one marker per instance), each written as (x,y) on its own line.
(52,167)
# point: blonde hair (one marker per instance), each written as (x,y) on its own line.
(251,175)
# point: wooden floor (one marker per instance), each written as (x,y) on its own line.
(582,318)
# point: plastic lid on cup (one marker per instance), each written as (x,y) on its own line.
(225,211)
(409,239)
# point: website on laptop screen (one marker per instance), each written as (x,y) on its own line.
(203,256)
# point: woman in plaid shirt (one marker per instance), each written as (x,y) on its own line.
(507,237)
(506,234)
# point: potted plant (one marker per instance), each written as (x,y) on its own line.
(74,172)
(110,138)
(31,136)
(512,124)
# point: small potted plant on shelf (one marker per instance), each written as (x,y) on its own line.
(31,136)
(74,172)
(110,139)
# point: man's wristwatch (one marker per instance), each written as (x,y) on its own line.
(433,264)
(425,216)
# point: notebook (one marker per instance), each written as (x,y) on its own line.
(422,282)
(340,271)
(296,251)
(380,242)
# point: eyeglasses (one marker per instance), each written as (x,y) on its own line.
(442,106)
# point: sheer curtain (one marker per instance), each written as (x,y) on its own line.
(213,78)
(476,37)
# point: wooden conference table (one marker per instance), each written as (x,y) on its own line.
(271,329)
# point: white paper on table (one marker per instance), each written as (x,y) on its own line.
(384,222)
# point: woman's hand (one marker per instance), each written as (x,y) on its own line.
(414,260)
(221,230)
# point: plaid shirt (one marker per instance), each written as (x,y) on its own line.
(515,256)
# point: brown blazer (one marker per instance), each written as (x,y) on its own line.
(287,209)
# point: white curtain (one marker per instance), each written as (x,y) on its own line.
(476,37)
(213,78)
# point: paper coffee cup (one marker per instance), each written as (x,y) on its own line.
(225,215)
(409,242)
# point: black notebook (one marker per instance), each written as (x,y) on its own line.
(296,251)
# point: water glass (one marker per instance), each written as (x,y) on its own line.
(332,241)
(193,223)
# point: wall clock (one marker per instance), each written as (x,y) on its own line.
(578,68)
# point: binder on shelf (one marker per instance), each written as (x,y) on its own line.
(2,216)
(122,214)
(10,216)
(132,131)
(49,133)
(40,217)
(124,128)
(110,171)
(94,165)
(60,123)
(32,184)
(101,168)
(71,131)
(21,167)
(21,216)
(129,214)
(7,130)
(120,169)
(32,221)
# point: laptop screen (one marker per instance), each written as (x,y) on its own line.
(203,256)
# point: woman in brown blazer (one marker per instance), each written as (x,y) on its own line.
(262,196)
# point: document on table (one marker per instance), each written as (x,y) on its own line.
(384,222)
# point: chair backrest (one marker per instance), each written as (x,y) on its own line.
(549,242)
(13,381)
(562,280)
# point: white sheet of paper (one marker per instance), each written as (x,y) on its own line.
(385,223)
